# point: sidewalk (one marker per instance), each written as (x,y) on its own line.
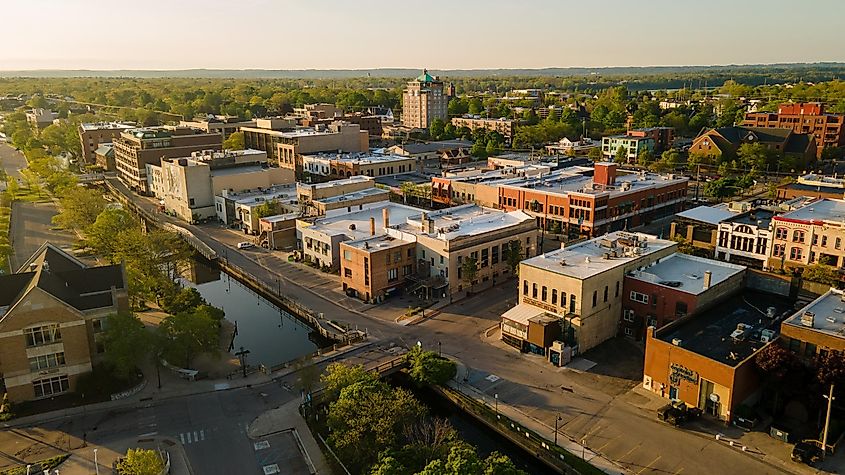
(539,427)
(81,461)
(288,418)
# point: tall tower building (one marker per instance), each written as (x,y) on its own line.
(423,101)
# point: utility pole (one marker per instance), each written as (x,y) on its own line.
(242,356)
(558,419)
(829,398)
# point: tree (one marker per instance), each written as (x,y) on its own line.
(182,299)
(672,158)
(821,273)
(475,107)
(774,361)
(187,334)
(492,148)
(80,208)
(389,465)
(595,154)
(102,236)
(126,341)
(338,376)
(268,208)
(427,368)
(621,156)
(755,155)
(721,188)
(830,368)
(437,129)
(140,462)
(498,464)
(235,141)
(463,460)
(645,158)
(469,269)
(513,255)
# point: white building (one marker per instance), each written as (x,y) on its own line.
(239,209)
(746,238)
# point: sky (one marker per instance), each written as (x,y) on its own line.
(438,34)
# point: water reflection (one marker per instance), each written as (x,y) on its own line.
(272,335)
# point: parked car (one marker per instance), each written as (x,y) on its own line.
(677,413)
(806,452)
(245,245)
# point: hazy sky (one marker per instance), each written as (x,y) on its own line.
(438,34)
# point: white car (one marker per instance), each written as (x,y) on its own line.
(245,245)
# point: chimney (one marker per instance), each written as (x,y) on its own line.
(372,226)
(604,174)
(424,222)
(385,216)
(708,277)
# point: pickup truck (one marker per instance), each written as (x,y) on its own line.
(677,413)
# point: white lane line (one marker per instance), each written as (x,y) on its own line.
(182,438)
(202,435)
(196,439)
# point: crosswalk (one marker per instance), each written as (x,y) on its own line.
(192,437)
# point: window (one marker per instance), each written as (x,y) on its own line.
(617,289)
(680,309)
(797,236)
(780,233)
(534,290)
(545,293)
(441,260)
(554,296)
(824,241)
(838,243)
(411,252)
(638,297)
(98,325)
(495,253)
(347,272)
(777,250)
(347,255)
(50,386)
(406,270)
(190,201)
(42,335)
(629,331)
(572,303)
(485,257)
(397,256)
(524,287)
(392,275)
(37,363)
(795,253)
(595,298)
(605,294)
(628,315)
(563,300)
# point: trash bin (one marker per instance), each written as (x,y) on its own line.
(779,434)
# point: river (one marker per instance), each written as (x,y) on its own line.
(272,335)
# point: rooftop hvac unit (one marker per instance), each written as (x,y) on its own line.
(808,319)
(770,312)
(767,335)
(677,341)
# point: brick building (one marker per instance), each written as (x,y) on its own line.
(672,288)
(423,100)
(337,137)
(725,141)
(54,308)
(812,185)
(93,135)
(812,234)
(817,328)
(503,126)
(828,130)
(607,201)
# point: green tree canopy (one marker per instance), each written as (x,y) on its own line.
(79,208)
(188,334)
(140,462)
(427,368)
(127,342)
(469,269)
(235,141)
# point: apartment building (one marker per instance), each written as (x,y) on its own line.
(828,130)
(318,111)
(92,135)
(187,186)
(224,125)
(812,234)
(134,149)
(662,137)
(424,100)
(582,287)
(725,141)
(447,237)
(632,147)
(503,126)
(350,193)
(608,201)
(337,137)
(673,288)
(54,308)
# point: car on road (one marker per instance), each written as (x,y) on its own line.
(806,452)
(245,245)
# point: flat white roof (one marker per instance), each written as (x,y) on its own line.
(379,242)
(829,310)
(356,225)
(567,180)
(355,195)
(106,126)
(822,210)
(256,197)
(686,273)
(343,181)
(586,259)
(707,214)
(465,220)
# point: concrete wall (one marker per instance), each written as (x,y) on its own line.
(770,283)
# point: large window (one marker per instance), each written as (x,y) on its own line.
(638,297)
(42,335)
(50,386)
(38,363)
(797,236)
(780,233)
(392,275)
(795,253)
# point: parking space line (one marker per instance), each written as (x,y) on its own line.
(649,465)
(630,451)
(679,471)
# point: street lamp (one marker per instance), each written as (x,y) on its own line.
(28,468)
(830,399)
(558,419)
(496,397)
(439,348)
(97,465)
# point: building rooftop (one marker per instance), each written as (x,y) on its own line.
(256,197)
(716,333)
(524,313)
(395,181)
(237,170)
(106,126)
(686,273)
(461,221)
(355,195)
(572,180)
(368,158)
(822,210)
(707,214)
(828,315)
(758,217)
(378,242)
(587,258)
(342,182)
(356,225)
(280,217)
(435,146)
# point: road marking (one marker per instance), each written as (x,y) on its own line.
(264,444)
(182,438)
(150,434)
(649,465)
(630,451)
(202,435)
(196,439)
(679,471)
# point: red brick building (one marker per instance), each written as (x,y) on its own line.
(806,118)
(592,206)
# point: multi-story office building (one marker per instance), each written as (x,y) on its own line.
(812,234)
(240,209)
(266,133)
(803,118)
(224,125)
(424,100)
(350,193)
(502,126)
(337,137)
(607,201)
(581,286)
(92,135)
(134,149)
(187,186)
(54,310)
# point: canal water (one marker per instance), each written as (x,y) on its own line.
(272,335)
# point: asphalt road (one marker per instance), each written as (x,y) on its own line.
(12,160)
